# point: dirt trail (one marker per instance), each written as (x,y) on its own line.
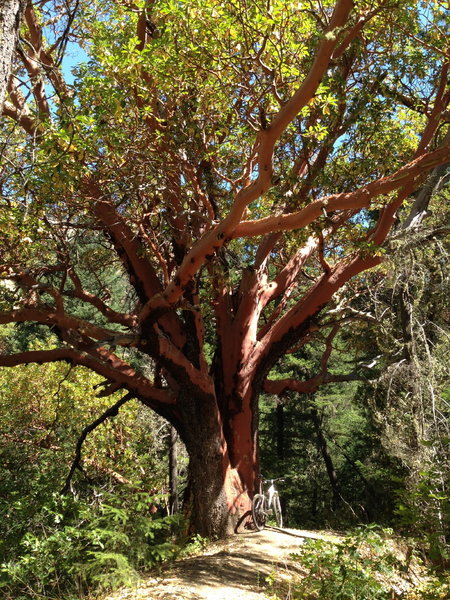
(234,570)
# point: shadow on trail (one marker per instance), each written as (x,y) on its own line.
(242,570)
(235,567)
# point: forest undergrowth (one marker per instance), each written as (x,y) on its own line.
(368,563)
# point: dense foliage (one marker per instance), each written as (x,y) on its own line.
(230,216)
(368,564)
(116,522)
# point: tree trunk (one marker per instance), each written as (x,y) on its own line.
(217,499)
(173,471)
(331,471)
(280,432)
(222,467)
(10,17)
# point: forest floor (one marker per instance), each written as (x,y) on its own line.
(235,569)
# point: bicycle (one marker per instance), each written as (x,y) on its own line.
(263,503)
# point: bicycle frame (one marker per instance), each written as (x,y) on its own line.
(271,493)
(265,502)
(271,490)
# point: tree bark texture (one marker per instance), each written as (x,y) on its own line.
(222,467)
(209,325)
(10,17)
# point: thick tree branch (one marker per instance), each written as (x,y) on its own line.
(355,31)
(288,275)
(128,248)
(43,57)
(38,87)
(442,99)
(106,364)
(309,386)
(142,275)
(358,199)
(54,319)
(285,282)
(113,316)
(175,361)
(297,322)
(21,117)
(309,86)
(18,109)
(264,146)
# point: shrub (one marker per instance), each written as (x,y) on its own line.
(100,543)
(366,565)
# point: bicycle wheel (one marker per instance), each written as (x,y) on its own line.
(277,510)
(258,512)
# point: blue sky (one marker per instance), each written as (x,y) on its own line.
(73,56)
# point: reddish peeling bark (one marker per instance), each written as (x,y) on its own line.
(218,497)
(110,367)
(406,176)
(271,303)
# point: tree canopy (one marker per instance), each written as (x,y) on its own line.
(207,194)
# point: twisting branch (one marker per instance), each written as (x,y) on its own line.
(407,175)
(113,316)
(126,244)
(356,30)
(104,363)
(262,151)
(310,386)
(17,108)
(112,411)
(442,100)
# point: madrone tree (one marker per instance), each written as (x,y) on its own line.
(236,166)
